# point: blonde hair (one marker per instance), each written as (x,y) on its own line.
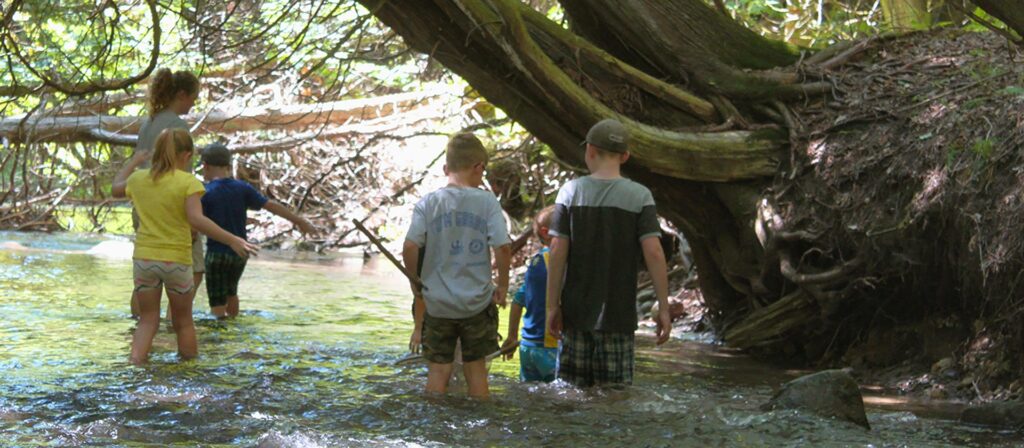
(464,151)
(165,86)
(543,219)
(169,144)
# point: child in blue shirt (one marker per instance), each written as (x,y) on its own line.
(538,351)
(225,203)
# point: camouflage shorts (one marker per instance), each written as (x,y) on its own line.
(479,335)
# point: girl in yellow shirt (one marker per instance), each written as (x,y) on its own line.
(167,199)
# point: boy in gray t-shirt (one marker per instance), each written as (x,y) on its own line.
(457,226)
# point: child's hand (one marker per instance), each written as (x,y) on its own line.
(507,351)
(500,296)
(244,248)
(664,322)
(554,323)
(416,340)
(307,228)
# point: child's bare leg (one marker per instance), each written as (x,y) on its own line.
(149,320)
(183,325)
(135,306)
(437,377)
(476,378)
(197,279)
(232,308)
(220,311)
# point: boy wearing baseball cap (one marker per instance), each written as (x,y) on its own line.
(602,224)
(225,203)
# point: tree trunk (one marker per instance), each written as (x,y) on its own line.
(705,100)
(1011,12)
(706,176)
(906,15)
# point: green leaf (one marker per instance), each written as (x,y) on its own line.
(1013,91)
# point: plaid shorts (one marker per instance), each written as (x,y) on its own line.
(478,334)
(223,271)
(591,358)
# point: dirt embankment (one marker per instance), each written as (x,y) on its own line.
(916,168)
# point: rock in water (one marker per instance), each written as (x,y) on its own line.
(113,249)
(830,393)
(1007,414)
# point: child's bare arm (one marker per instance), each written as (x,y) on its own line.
(280,210)
(419,310)
(411,259)
(557,257)
(198,221)
(515,314)
(655,259)
(121,179)
(502,261)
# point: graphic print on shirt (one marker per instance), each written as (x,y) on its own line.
(459,247)
(457,227)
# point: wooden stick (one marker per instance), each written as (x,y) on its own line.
(418,356)
(410,275)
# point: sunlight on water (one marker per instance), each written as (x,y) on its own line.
(312,362)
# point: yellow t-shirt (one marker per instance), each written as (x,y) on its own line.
(164,233)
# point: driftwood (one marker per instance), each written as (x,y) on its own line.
(488,358)
(764,325)
(373,239)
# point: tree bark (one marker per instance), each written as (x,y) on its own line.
(557,84)
(1011,12)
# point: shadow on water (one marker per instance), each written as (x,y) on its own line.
(312,362)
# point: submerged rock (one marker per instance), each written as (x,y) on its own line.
(1005,414)
(113,249)
(830,393)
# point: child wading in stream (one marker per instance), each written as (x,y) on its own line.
(225,203)
(602,224)
(538,353)
(171,94)
(166,198)
(457,226)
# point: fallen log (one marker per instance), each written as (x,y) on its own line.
(764,325)
(118,129)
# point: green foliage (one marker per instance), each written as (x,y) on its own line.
(809,23)
(983,148)
(1012,91)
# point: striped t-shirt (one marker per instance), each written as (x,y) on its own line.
(604,220)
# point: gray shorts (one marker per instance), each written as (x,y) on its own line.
(198,261)
(151,274)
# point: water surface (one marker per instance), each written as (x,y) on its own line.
(312,362)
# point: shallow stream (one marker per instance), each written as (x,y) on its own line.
(312,362)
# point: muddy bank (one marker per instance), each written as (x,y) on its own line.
(903,219)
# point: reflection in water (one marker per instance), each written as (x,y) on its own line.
(312,362)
